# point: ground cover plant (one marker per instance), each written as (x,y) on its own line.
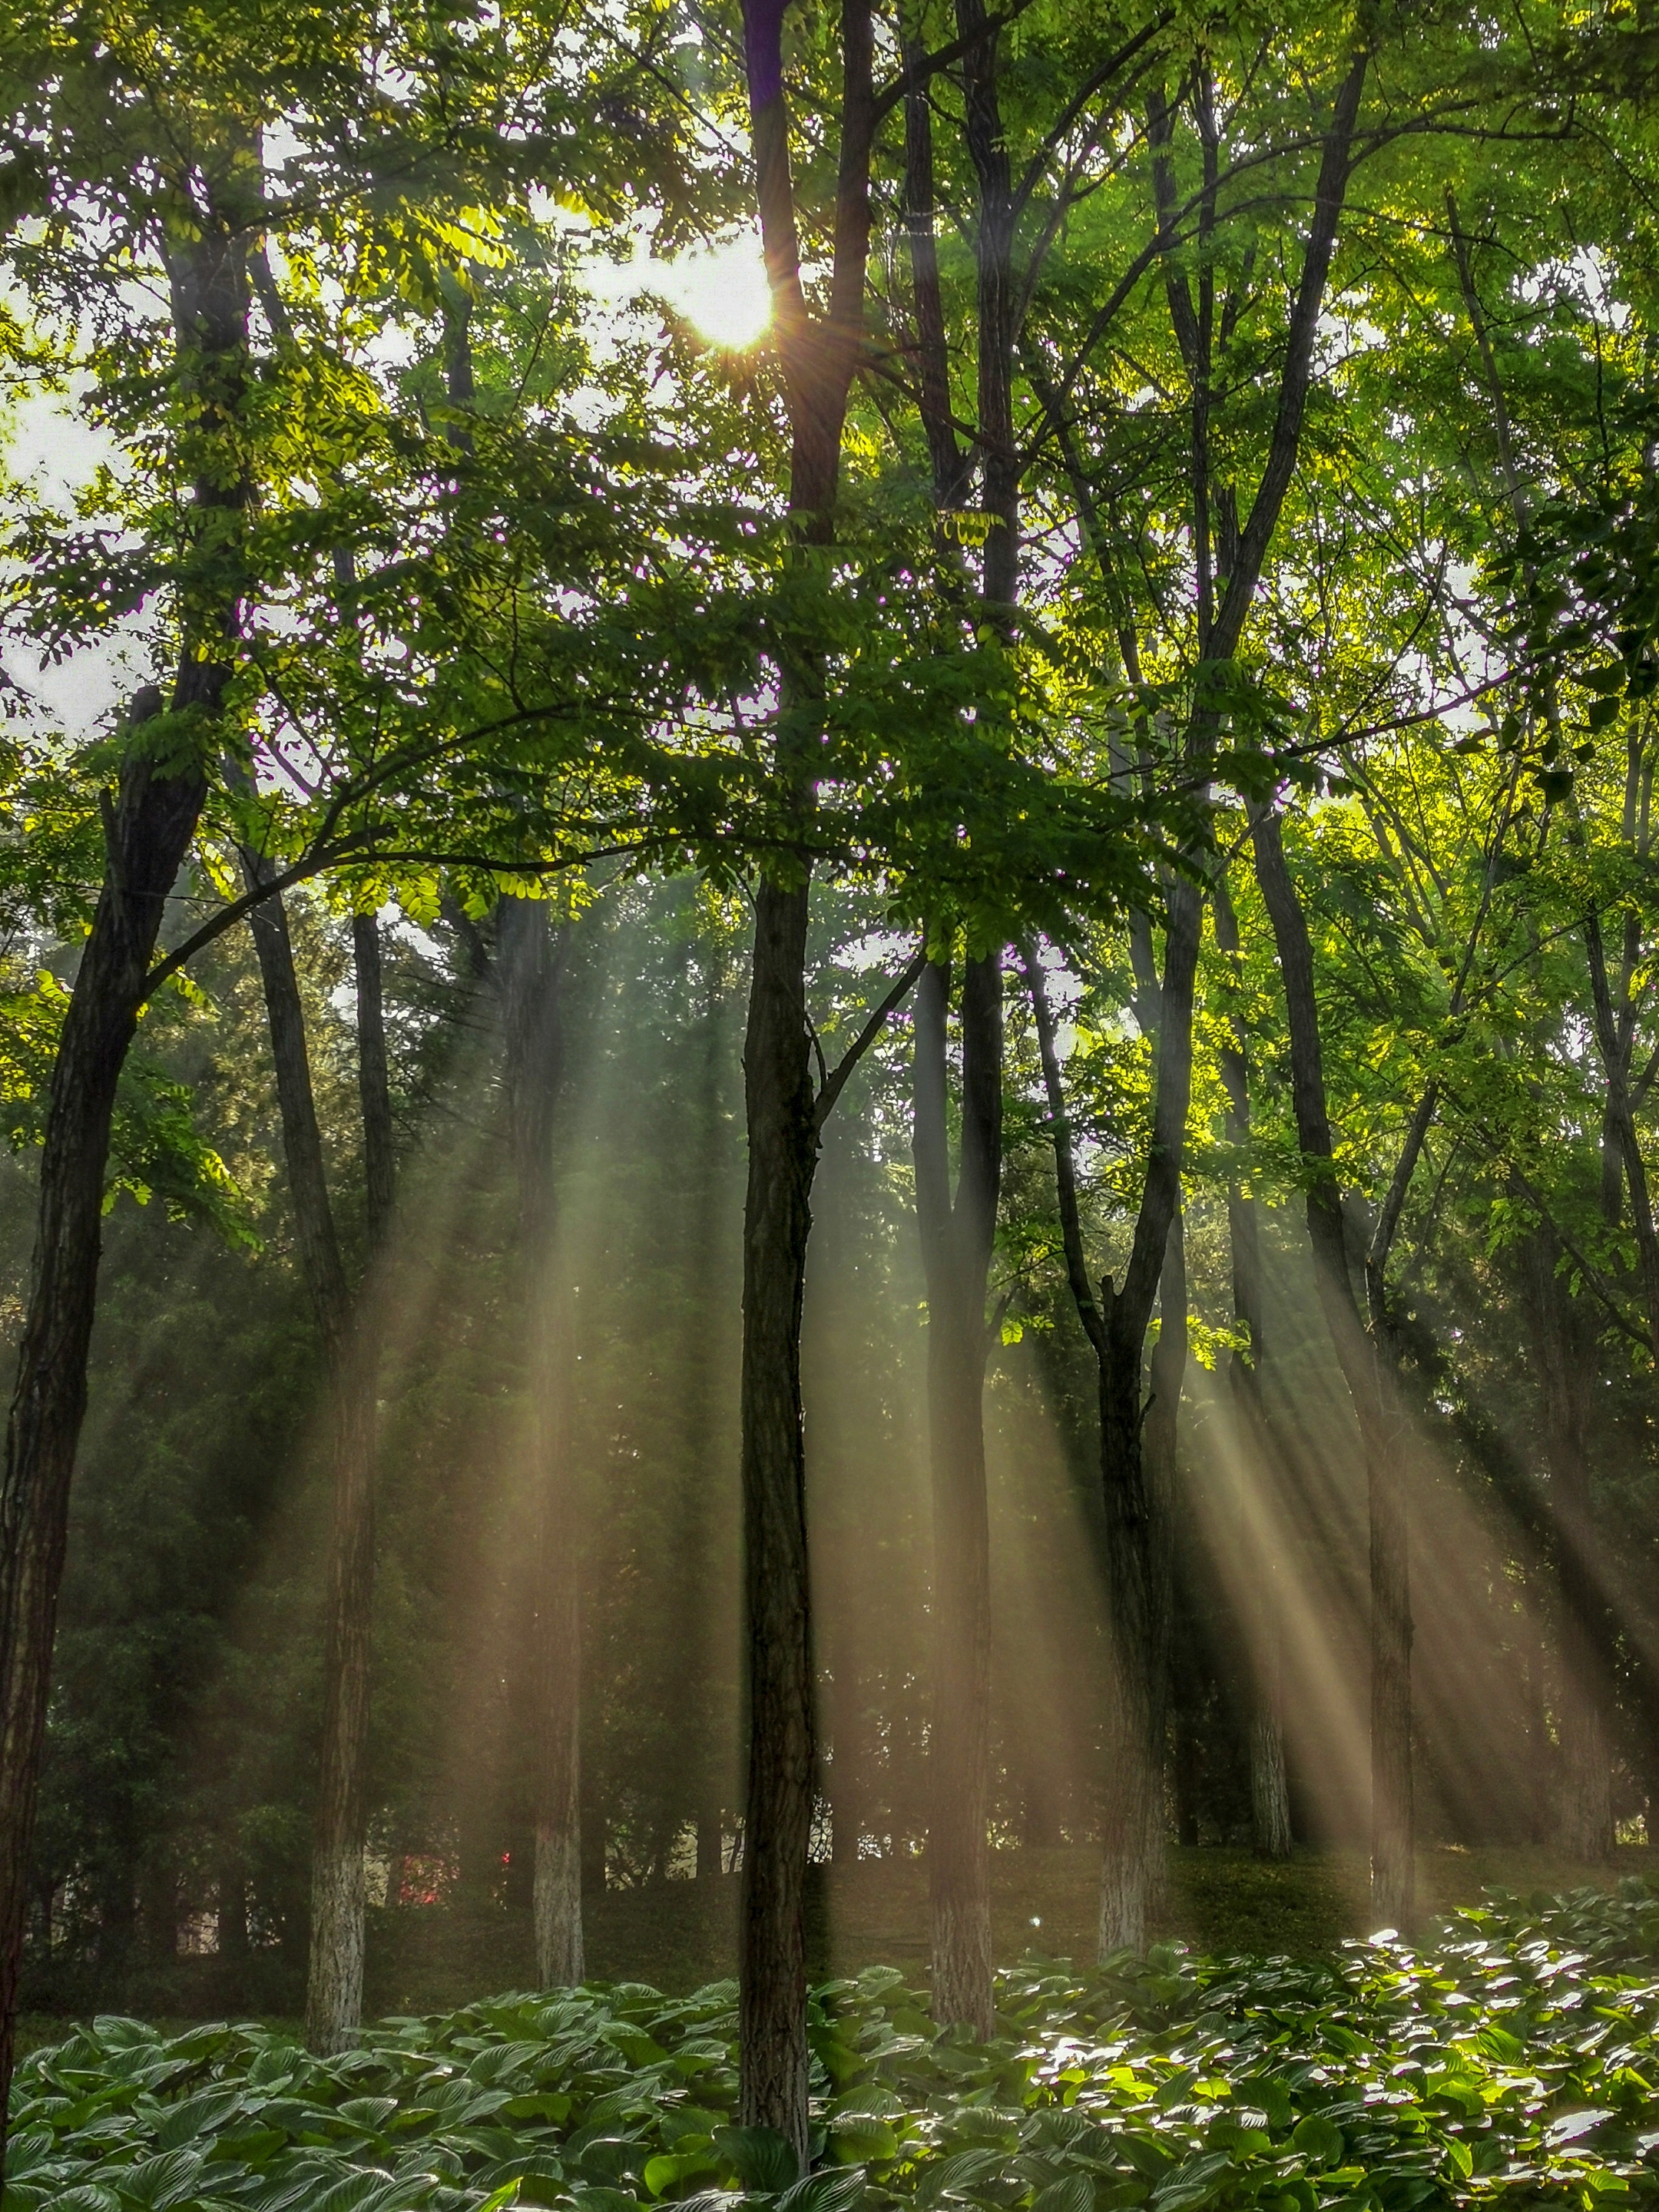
(1513,2056)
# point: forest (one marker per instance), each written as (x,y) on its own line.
(829,1023)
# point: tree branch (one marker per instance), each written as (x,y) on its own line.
(836,1082)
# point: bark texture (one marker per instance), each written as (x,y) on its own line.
(957,1238)
(783,1144)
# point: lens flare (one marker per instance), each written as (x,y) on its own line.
(723,293)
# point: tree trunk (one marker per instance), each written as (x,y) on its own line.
(374,1083)
(956,1240)
(1393,1879)
(231,1888)
(532,968)
(1368,1367)
(1137,1537)
(1564,1355)
(147,834)
(147,829)
(1137,1471)
(818,358)
(777,1588)
(334,1988)
(1270,1800)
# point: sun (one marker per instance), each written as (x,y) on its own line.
(722,293)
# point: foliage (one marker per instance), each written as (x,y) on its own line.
(1515,2054)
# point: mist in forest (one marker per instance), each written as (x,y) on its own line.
(177,1810)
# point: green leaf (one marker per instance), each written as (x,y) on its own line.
(1318,2140)
(761,2158)
(1076,2193)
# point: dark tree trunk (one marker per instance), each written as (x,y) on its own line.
(1564,1357)
(1137,1441)
(118,1909)
(595,1830)
(374,1082)
(147,829)
(818,359)
(955,1241)
(148,833)
(532,968)
(231,1886)
(777,1587)
(1137,1473)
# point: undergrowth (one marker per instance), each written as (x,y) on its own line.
(1515,2057)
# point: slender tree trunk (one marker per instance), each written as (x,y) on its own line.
(148,833)
(777,1588)
(1270,1800)
(1135,1492)
(533,967)
(231,1886)
(1368,1367)
(1137,1469)
(334,1987)
(1563,1358)
(1136,1487)
(1394,1819)
(956,1240)
(374,1081)
(1137,1455)
(818,359)
(148,825)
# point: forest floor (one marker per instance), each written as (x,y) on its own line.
(679,1936)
